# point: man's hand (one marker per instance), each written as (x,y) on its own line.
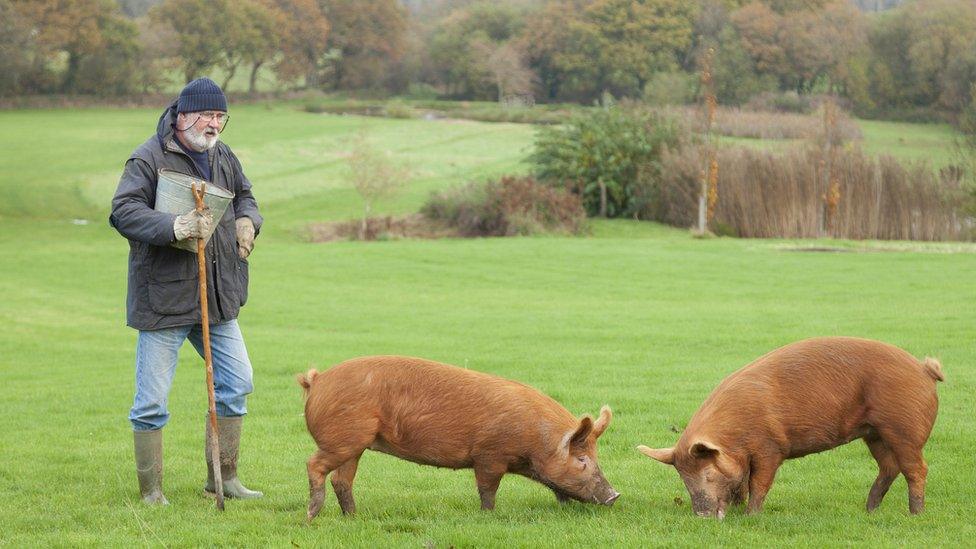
(245,236)
(193,224)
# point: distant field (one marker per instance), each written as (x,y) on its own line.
(64,164)
(638,316)
(932,143)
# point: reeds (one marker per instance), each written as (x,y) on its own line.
(782,195)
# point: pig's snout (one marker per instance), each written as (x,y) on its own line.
(604,494)
(706,506)
(613,497)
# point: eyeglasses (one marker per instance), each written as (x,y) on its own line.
(209,116)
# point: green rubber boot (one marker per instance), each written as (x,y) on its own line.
(149,466)
(229,439)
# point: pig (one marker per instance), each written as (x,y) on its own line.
(441,415)
(804,398)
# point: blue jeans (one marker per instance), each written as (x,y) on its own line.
(156,356)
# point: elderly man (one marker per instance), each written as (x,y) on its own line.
(163,292)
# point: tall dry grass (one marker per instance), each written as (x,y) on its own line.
(734,122)
(784,195)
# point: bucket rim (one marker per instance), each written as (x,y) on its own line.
(186,180)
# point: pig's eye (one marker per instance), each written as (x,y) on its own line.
(582,460)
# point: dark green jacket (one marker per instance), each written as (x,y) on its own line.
(163,288)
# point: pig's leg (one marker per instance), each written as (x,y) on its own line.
(318,468)
(913,466)
(760,481)
(887,471)
(342,484)
(487,478)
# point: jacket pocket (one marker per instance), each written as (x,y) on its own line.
(173,284)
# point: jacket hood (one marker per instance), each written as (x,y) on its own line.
(164,129)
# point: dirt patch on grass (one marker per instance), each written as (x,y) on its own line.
(382,228)
(826,249)
(883,246)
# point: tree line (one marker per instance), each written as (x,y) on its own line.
(915,60)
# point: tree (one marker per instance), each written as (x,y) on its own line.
(581,48)
(761,30)
(235,30)
(136,8)
(158,55)
(251,38)
(631,39)
(262,40)
(461,65)
(733,72)
(374,175)
(793,6)
(112,68)
(304,30)
(16,50)
(943,31)
(72,27)
(547,40)
(199,27)
(922,55)
(368,37)
(504,62)
(805,47)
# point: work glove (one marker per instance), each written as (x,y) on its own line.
(193,224)
(245,236)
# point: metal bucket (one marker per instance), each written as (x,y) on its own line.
(174,194)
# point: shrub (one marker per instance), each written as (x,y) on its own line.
(399,109)
(506,207)
(598,155)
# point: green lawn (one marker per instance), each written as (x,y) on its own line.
(638,316)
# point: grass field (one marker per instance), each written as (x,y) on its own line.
(931,143)
(638,316)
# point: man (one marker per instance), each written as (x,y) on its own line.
(163,300)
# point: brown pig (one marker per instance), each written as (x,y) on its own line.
(803,398)
(441,415)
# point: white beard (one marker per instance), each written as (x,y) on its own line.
(200,141)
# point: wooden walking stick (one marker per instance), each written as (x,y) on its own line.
(198,193)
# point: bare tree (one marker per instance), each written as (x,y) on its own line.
(374,174)
(507,68)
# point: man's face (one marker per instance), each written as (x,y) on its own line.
(201,130)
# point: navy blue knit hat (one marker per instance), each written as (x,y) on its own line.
(202,94)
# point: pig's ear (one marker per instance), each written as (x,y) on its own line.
(664,455)
(703,449)
(578,437)
(601,423)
